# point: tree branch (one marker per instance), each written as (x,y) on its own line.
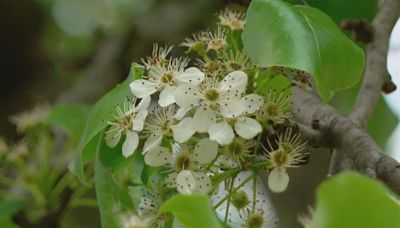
(375,72)
(343,134)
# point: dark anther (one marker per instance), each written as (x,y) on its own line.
(361,30)
(315,124)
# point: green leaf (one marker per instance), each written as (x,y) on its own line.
(301,37)
(193,211)
(7,209)
(70,118)
(350,200)
(102,110)
(347,9)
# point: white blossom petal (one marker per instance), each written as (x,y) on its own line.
(149,203)
(203,119)
(181,112)
(170,180)
(192,76)
(221,132)
(203,183)
(252,103)
(205,151)
(167,96)
(247,127)
(187,95)
(151,142)
(113,135)
(143,88)
(185,182)
(138,122)
(278,180)
(130,144)
(183,130)
(234,83)
(231,109)
(143,104)
(158,156)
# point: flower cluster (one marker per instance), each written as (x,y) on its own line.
(201,124)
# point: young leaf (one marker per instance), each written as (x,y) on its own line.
(352,200)
(193,211)
(302,37)
(101,112)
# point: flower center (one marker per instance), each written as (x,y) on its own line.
(271,109)
(125,122)
(167,77)
(254,221)
(287,147)
(279,158)
(235,66)
(239,200)
(235,149)
(217,44)
(211,94)
(212,66)
(183,162)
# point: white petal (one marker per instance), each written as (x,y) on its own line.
(185,182)
(130,144)
(158,156)
(192,76)
(167,96)
(231,109)
(252,103)
(149,203)
(203,183)
(247,127)
(221,132)
(143,104)
(187,95)
(278,180)
(170,180)
(181,112)
(113,135)
(205,151)
(183,130)
(143,88)
(138,122)
(151,142)
(203,119)
(234,83)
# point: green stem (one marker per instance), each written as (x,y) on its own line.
(229,199)
(237,188)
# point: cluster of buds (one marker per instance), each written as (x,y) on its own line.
(201,122)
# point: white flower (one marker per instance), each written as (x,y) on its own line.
(129,120)
(165,78)
(276,108)
(232,19)
(159,56)
(289,153)
(214,96)
(161,123)
(244,126)
(30,118)
(240,211)
(195,43)
(216,40)
(236,60)
(187,177)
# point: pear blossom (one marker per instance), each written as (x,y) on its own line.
(213,97)
(245,126)
(234,20)
(216,40)
(236,61)
(129,120)
(185,163)
(195,43)
(240,211)
(30,118)
(159,56)
(276,108)
(290,153)
(165,79)
(161,123)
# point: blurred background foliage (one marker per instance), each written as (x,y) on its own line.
(72,52)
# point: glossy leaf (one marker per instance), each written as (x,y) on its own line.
(351,200)
(193,211)
(101,111)
(302,37)
(70,118)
